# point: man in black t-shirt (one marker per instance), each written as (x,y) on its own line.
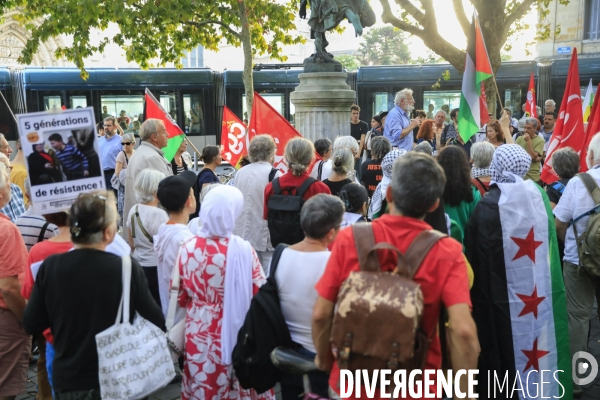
(358,130)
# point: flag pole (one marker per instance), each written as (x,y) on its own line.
(192,144)
(497,91)
(7,106)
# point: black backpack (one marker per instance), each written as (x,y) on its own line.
(264,329)
(284,213)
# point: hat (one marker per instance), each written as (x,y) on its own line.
(354,196)
(174,191)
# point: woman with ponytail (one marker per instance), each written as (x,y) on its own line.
(342,163)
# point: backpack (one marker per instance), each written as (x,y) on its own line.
(588,244)
(283,218)
(559,187)
(264,329)
(382,305)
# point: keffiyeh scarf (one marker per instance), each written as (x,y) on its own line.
(387,166)
(509,164)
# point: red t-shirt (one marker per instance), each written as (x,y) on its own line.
(442,276)
(13,253)
(288,180)
(37,255)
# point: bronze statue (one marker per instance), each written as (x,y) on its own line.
(327,14)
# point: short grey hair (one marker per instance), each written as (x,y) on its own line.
(320,214)
(2,136)
(482,154)
(443,112)
(129,136)
(532,121)
(401,95)
(146,184)
(346,142)
(111,119)
(149,127)
(552,102)
(565,162)
(262,148)
(424,147)
(595,147)
(380,146)
(342,161)
(299,153)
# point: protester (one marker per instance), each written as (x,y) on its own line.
(460,195)
(398,126)
(427,133)
(16,205)
(371,173)
(510,243)
(565,162)
(43,168)
(342,142)
(122,160)
(179,163)
(451,130)
(89,306)
(495,136)
(74,164)
(376,130)
(252,180)
(18,173)
(343,162)
(176,196)
(415,189)
(211,156)
(424,147)
(109,147)
(355,198)
(379,200)
(481,158)
(422,116)
(322,168)
(143,222)
(15,344)
(320,219)
(219,272)
(34,228)
(358,130)
(534,146)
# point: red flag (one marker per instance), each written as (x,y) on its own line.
(569,127)
(266,120)
(593,126)
(233,133)
(153,109)
(484,114)
(530,105)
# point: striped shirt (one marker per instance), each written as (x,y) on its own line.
(30,226)
(72,159)
(16,205)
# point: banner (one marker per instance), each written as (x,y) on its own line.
(153,109)
(62,157)
(233,133)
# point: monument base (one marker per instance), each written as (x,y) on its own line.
(322,105)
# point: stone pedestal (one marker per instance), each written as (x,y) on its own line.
(322,102)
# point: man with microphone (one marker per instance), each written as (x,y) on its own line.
(398,128)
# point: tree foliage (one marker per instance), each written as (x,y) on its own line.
(350,63)
(384,46)
(157,32)
(499,19)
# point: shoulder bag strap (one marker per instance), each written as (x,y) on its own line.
(276,186)
(275,260)
(591,186)
(125,295)
(144,231)
(43,232)
(305,185)
(364,240)
(126,158)
(419,248)
(320,170)
(272,174)
(173,292)
(485,189)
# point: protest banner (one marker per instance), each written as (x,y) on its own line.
(62,157)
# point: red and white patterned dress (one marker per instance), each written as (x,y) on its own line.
(202,270)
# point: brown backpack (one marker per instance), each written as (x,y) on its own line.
(377,322)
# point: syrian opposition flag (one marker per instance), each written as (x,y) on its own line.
(519,302)
(569,127)
(477,69)
(153,109)
(587,102)
(530,106)
(233,137)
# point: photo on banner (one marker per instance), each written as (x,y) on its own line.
(62,157)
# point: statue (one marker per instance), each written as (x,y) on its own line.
(326,15)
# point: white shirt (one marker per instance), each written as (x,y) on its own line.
(325,171)
(151,218)
(574,202)
(297,274)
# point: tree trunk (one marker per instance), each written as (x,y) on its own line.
(247,47)
(491,96)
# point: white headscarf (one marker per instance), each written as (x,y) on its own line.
(220,209)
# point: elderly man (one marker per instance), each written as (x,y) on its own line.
(438,128)
(4,146)
(149,155)
(534,146)
(398,128)
(580,285)
(110,147)
(16,206)
(549,106)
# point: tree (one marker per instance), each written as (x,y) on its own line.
(499,19)
(350,63)
(383,46)
(162,30)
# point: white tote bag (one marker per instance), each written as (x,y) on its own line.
(133,359)
(175,330)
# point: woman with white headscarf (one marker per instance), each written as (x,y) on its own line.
(220,272)
(378,202)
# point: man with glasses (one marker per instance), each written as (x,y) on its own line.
(110,146)
(5,147)
(549,106)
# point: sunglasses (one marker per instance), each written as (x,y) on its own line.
(125,143)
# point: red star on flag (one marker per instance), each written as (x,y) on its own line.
(533,356)
(531,303)
(527,246)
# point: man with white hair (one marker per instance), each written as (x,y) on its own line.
(398,128)
(4,146)
(149,155)
(16,205)
(549,106)
(580,285)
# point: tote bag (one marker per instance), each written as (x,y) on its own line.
(175,330)
(133,359)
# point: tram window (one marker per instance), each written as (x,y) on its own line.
(52,103)
(132,105)
(169,103)
(276,100)
(512,100)
(381,102)
(194,114)
(78,101)
(441,100)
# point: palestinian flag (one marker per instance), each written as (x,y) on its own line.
(518,294)
(477,69)
(153,109)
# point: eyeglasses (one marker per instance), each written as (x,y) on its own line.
(125,143)
(108,126)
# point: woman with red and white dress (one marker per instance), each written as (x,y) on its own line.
(220,272)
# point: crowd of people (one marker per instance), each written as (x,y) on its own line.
(60,273)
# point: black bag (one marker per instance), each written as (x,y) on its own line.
(264,329)
(284,213)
